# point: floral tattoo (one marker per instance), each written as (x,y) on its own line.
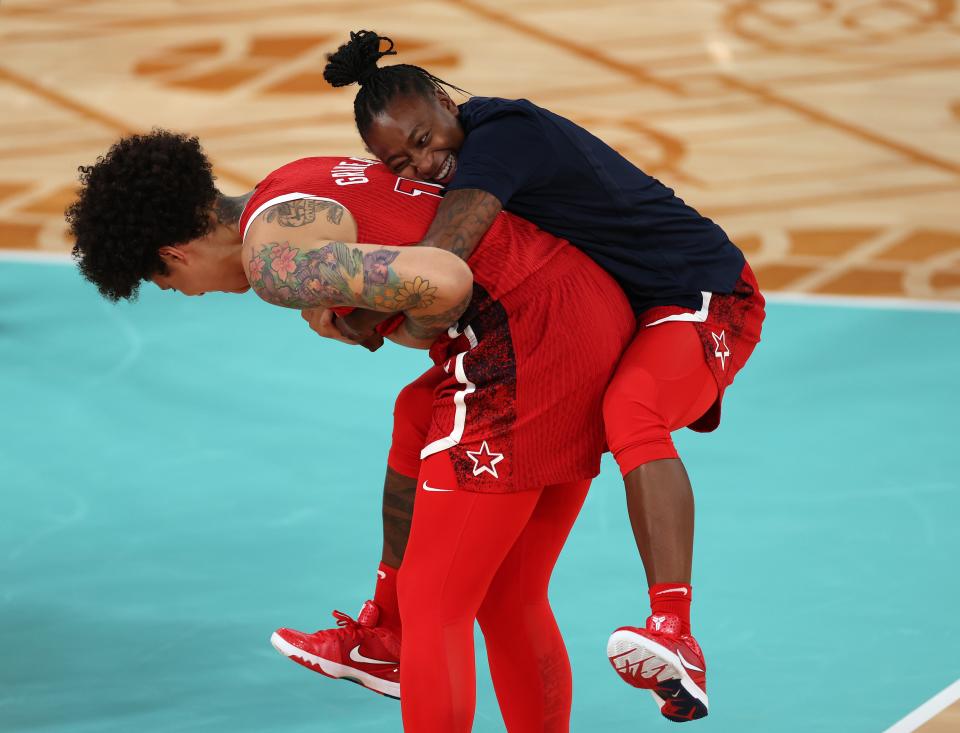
(333,275)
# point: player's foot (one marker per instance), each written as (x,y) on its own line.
(669,664)
(359,651)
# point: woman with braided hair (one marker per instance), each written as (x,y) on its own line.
(699,314)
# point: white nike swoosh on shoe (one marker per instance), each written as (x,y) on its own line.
(426,487)
(673,590)
(687,664)
(356,656)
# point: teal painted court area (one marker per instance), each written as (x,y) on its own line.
(181,476)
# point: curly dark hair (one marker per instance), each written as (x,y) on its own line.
(147,192)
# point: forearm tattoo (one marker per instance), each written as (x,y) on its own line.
(331,275)
(426,327)
(462,218)
(301,212)
(337,274)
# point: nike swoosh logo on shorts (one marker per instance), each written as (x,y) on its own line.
(687,664)
(356,656)
(426,487)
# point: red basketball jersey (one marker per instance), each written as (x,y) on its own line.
(527,363)
(398,211)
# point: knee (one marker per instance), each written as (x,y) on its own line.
(630,408)
(427,608)
(493,612)
(508,605)
(407,590)
(420,590)
(636,431)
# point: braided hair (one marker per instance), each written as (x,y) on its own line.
(355,62)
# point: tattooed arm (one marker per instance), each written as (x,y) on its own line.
(303,212)
(322,219)
(463,217)
(431,287)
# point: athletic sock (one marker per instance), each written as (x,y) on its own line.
(672,598)
(385,596)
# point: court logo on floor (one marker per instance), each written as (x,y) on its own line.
(268,64)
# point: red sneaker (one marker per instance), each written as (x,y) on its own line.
(359,651)
(669,664)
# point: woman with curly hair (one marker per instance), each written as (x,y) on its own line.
(514,433)
(148,191)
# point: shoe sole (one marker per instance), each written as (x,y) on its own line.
(333,669)
(627,649)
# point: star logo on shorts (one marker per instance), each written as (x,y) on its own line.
(484,460)
(723,351)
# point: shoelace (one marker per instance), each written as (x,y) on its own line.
(344,619)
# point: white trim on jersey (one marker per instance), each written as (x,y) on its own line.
(459,399)
(282,200)
(699,317)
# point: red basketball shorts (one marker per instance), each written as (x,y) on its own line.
(676,370)
(673,375)
(517,400)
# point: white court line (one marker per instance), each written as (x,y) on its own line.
(840,301)
(863,301)
(936,704)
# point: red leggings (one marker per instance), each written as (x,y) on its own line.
(486,557)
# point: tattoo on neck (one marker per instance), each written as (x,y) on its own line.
(229,208)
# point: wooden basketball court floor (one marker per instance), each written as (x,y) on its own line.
(145,562)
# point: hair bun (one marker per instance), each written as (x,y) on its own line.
(355,62)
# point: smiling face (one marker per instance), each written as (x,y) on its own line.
(418,137)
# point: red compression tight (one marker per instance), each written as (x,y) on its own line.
(662,384)
(487,557)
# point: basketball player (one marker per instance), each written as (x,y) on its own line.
(699,313)
(519,368)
